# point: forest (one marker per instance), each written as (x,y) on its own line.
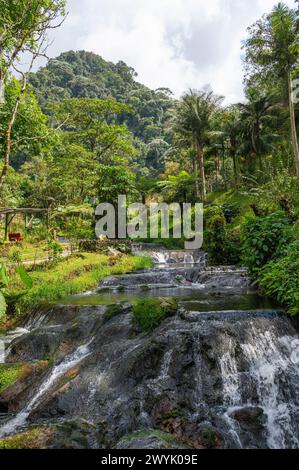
(81,130)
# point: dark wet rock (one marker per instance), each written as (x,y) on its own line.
(74,434)
(251,419)
(151,439)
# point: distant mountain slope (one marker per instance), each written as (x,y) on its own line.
(86,75)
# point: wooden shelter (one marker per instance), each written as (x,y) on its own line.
(10,213)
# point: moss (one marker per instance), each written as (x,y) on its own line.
(149,313)
(112,311)
(12,373)
(167,440)
(175,413)
(34,439)
(9,375)
(210,437)
(144,288)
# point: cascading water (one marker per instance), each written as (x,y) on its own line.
(271,382)
(58,371)
(226,365)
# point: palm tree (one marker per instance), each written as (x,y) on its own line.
(229,135)
(272,53)
(257,116)
(192,123)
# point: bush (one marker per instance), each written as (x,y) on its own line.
(149,313)
(231,211)
(280,278)
(221,243)
(263,239)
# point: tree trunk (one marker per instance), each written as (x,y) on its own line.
(8,145)
(2,82)
(8,133)
(293,126)
(195,166)
(2,92)
(200,154)
(217,172)
(236,172)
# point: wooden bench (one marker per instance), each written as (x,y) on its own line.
(15,237)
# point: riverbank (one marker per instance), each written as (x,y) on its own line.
(76,274)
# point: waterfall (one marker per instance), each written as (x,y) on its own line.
(273,372)
(160,257)
(272,367)
(58,371)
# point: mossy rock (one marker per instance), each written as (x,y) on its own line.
(112,311)
(9,375)
(150,439)
(148,314)
(36,438)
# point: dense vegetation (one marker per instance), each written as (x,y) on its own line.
(82,130)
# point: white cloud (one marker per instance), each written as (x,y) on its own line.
(172,43)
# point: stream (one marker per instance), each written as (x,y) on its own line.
(221,373)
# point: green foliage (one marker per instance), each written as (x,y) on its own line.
(115,180)
(215,238)
(231,211)
(26,440)
(280,278)
(149,313)
(220,241)
(24,276)
(263,238)
(71,276)
(84,75)
(179,188)
(9,374)
(54,250)
(281,193)
(3,306)
(5,281)
(112,311)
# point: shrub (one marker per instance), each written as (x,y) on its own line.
(263,238)
(215,238)
(149,313)
(231,211)
(280,278)
(221,243)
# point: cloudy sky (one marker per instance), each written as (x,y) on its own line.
(171,43)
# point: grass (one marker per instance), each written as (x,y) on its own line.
(71,276)
(34,439)
(12,373)
(25,251)
(9,375)
(149,313)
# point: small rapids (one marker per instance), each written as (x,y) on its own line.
(222,372)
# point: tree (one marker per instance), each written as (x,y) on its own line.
(113,181)
(178,188)
(92,124)
(23,28)
(272,52)
(257,117)
(226,136)
(192,121)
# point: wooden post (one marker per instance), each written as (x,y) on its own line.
(6,227)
